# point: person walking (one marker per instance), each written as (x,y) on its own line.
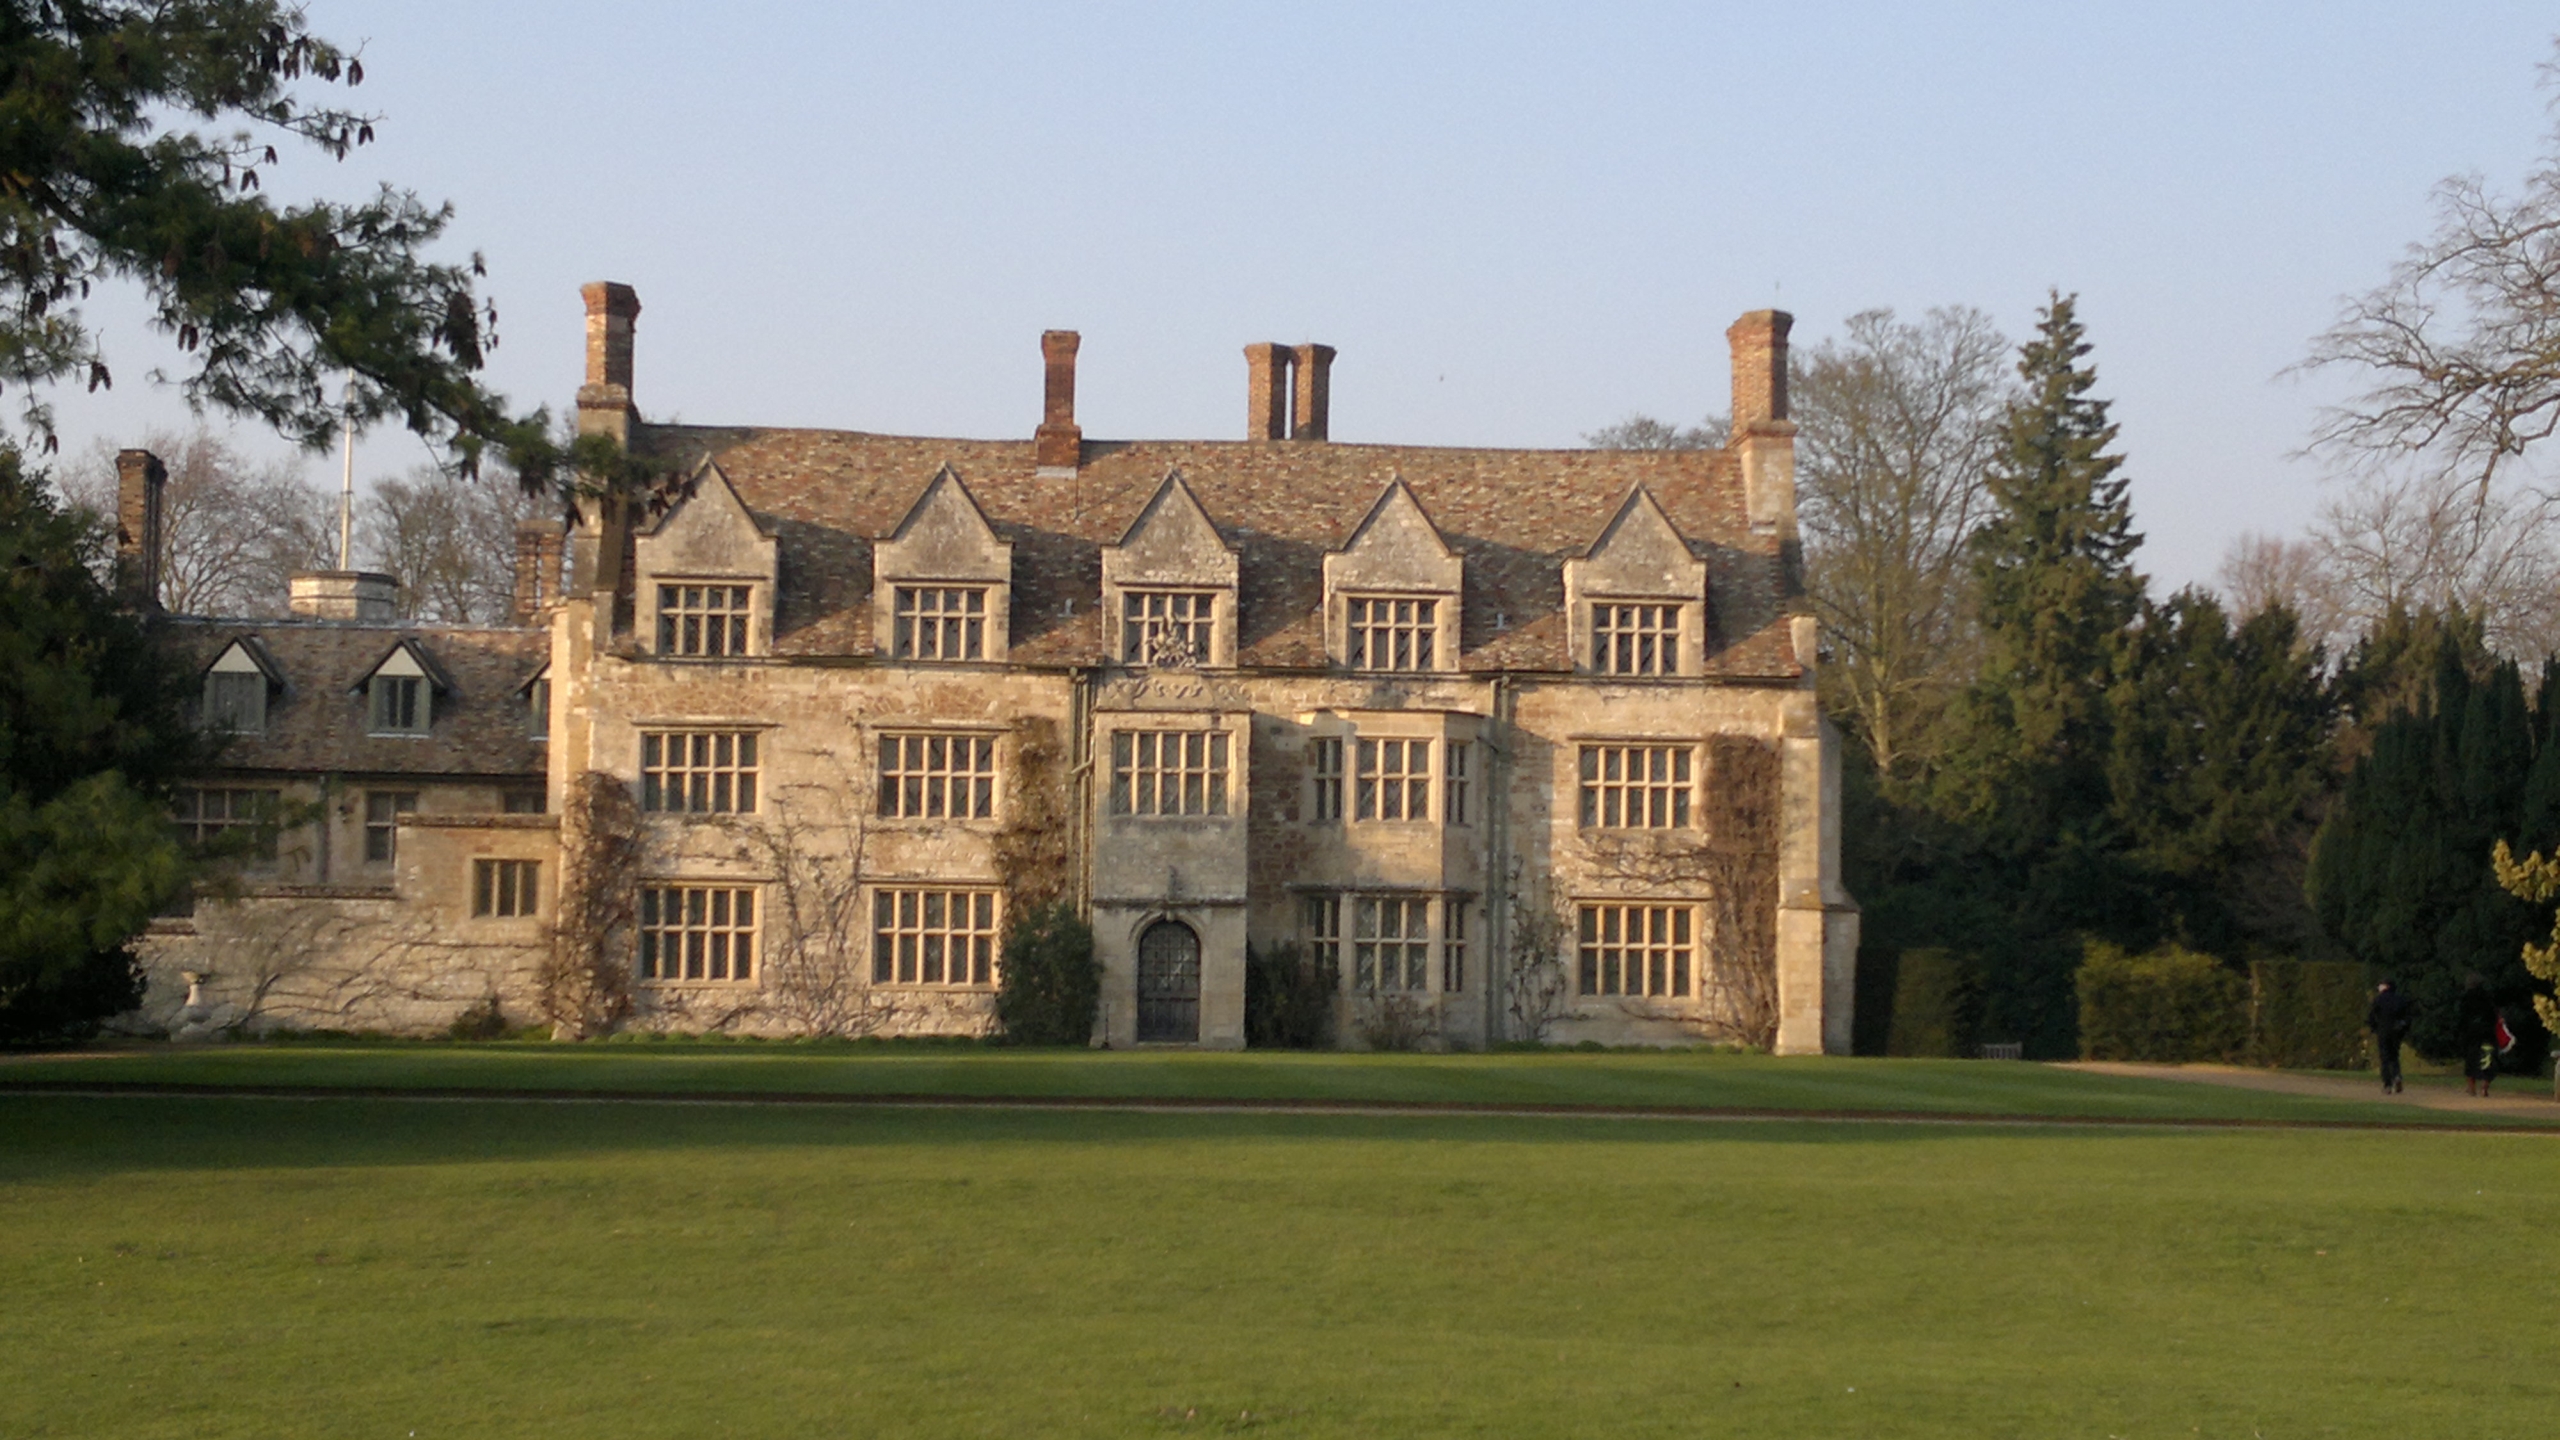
(2388,1018)
(2475,1029)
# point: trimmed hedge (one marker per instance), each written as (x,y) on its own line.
(2308,1015)
(1937,1005)
(2171,1004)
(1052,985)
(1288,999)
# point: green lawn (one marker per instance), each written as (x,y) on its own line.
(348,1267)
(1688,1079)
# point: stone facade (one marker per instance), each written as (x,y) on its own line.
(1523,742)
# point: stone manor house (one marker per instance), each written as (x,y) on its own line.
(1523,741)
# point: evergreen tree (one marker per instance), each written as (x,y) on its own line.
(92,730)
(2401,873)
(2028,763)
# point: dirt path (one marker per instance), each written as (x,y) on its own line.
(1368,1108)
(2517,1095)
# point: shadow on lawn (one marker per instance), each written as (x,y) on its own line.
(66,1136)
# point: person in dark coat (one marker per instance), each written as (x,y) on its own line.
(2388,1018)
(2475,1029)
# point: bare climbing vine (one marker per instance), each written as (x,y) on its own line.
(586,979)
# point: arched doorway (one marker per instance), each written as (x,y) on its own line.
(1169,983)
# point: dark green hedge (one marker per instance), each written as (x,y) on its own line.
(1052,985)
(1288,999)
(2308,1014)
(1937,1005)
(2170,1004)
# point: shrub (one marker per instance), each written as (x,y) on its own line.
(2308,1014)
(2170,1004)
(1288,998)
(1395,1020)
(481,1021)
(1937,1004)
(1052,983)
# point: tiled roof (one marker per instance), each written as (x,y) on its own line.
(319,722)
(1516,515)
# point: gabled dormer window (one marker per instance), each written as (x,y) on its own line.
(1637,599)
(1392,591)
(1170,584)
(704,620)
(942,582)
(236,690)
(400,694)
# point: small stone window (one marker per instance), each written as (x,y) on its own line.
(1325,757)
(1461,759)
(1393,634)
(1169,772)
(504,889)
(1635,639)
(937,777)
(709,772)
(1320,926)
(204,815)
(235,702)
(1453,946)
(935,938)
(1395,780)
(697,932)
(537,703)
(524,802)
(1636,787)
(937,623)
(1635,950)
(382,812)
(1167,628)
(401,705)
(704,620)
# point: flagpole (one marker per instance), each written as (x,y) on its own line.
(347,485)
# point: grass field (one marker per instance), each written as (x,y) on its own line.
(334,1267)
(1680,1079)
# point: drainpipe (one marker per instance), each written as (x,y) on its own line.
(1497,889)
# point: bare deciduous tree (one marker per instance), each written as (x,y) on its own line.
(2437,539)
(1643,432)
(2260,572)
(1897,422)
(236,529)
(450,540)
(2461,345)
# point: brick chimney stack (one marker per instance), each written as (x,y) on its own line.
(1058,444)
(1759,367)
(141,481)
(1763,438)
(1266,391)
(1315,391)
(539,546)
(604,402)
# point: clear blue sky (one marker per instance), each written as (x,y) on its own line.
(1516,222)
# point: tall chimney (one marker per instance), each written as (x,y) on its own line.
(1058,444)
(140,481)
(1759,342)
(538,557)
(1266,391)
(1763,439)
(1315,391)
(604,402)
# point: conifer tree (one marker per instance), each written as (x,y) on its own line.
(2028,762)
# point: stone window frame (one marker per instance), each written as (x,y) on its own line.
(235,702)
(1611,960)
(1127,779)
(1204,644)
(977,634)
(1330,922)
(505,888)
(1457,780)
(731,777)
(720,631)
(399,706)
(1680,798)
(908,941)
(723,931)
(1325,773)
(1652,644)
(1441,631)
(1405,790)
(987,805)
(262,804)
(382,812)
